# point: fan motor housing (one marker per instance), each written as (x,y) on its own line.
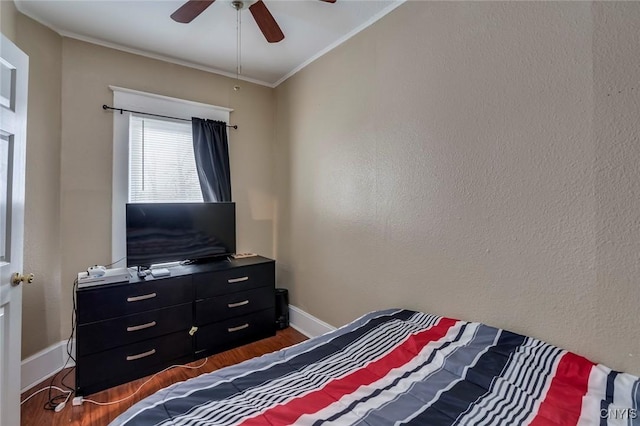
(240,5)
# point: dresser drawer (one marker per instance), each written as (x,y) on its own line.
(232,280)
(234,304)
(222,335)
(95,304)
(125,363)
(129,329)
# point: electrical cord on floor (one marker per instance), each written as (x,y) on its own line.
(65,392)
(58,402)
(70,341)
(80,400)
(71,388)
(55,403)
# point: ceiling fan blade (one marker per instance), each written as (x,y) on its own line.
(190,10)
(266,23)
(329,1)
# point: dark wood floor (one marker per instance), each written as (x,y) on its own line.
(93,415)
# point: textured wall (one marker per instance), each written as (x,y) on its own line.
(472,160)
(8,16)
(41,299)
(69,152)
(87,140)
(616,127)
(455,158)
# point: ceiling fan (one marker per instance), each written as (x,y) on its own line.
(267,24)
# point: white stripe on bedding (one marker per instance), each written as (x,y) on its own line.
(518,379)
(268,360)
(403,385)
(367,348)
(452,384)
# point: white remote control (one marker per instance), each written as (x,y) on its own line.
(243,255)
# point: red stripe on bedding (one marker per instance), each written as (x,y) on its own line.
(334,390)
(563,402)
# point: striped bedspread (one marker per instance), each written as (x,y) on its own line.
(402,367)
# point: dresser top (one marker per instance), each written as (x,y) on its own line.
(181,270)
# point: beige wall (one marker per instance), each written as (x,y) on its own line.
(472,160)
(87,140)
(463,158)
(69,152)
(41,310)
(616,132)
(41,299)
(8,16)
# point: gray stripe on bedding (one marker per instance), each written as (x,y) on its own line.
(517,389)
(181,389)
(357,353)
(427,388)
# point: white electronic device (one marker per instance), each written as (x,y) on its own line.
(98,275)
(243,255)
(96,271)
(160,272)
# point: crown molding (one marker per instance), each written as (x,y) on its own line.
(208,69)
(140,52)
(375,18)
(163,58)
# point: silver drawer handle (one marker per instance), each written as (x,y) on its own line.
(143,297)
(238,328)
(142,355)
(237,280)
(235,305)
(141,326)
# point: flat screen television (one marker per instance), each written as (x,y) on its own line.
(167,232)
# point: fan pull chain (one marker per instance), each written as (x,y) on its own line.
(239,43)
(238,49)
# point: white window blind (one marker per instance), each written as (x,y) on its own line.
(162,166)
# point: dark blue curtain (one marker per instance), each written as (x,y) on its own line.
(211,149)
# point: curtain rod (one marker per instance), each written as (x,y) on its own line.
(106,107)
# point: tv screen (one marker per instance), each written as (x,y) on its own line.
(167,232)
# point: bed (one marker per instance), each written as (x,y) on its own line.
(402,367)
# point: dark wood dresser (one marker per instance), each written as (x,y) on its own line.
(130,330)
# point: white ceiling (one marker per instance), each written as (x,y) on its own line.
(311,28)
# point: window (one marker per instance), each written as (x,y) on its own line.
(168,139)
(162,166)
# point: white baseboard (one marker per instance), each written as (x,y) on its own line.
(43,365)
(306,323)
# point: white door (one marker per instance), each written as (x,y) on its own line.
(14,73)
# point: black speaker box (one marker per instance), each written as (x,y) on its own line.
(282,308)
